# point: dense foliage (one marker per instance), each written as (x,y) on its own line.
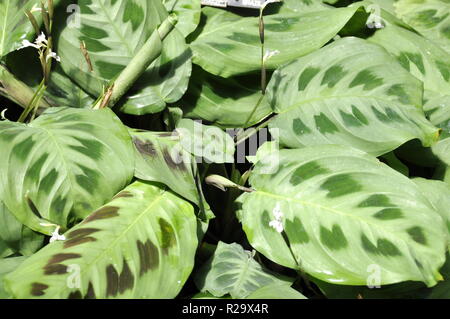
(164,149)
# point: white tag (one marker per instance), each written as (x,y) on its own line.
(246,3)
(215,3)
(256,4)
(251,3)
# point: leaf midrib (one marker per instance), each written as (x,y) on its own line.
(320,98)
(130,52)
(87,266)
(2,44)
(335,211)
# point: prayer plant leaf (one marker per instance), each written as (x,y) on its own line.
(113,31)
(276,291)
(14,24)
(140,245)
(206,142)
(438,193)
(343,214)
(63,165)
(429,17)
(188,13)
(232,102)
(351,92)
(421,57)
(18,237)
(232,270)
(8,265)
(438,110)
(161,158)
(230,44)
(404,290)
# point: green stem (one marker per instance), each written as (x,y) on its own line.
(17,91)
(33,103)
(139,64)
(250,132)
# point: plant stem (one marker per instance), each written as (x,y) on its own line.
(250,132)
(139,64)
(17,91)
(33,103)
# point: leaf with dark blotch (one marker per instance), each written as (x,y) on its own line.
(146,251)
(345,216)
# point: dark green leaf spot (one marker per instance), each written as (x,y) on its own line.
(333,75)
(305,78)
(340,185)
(334,239)
(307,171)
(368,79)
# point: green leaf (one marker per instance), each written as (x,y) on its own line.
(230,44)
(114,31)
(276,291)
(160,158)
(382,11)
(430,17)
(421,57)
(404,290)
(351,92)
(232,102)
(289,6)
(392,160)
(8,265)
(5,251)
(344,212)
(61,90)
(19,238)
(232,270)
(438,193)
(14,24)
(141,245)
(209,143)
(67,161)
(188,13)
(439,114)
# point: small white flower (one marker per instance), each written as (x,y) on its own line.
(277,223)
(56,235)
(54,56)
(41,40)
(270,54)
(26,44)
(39,43)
